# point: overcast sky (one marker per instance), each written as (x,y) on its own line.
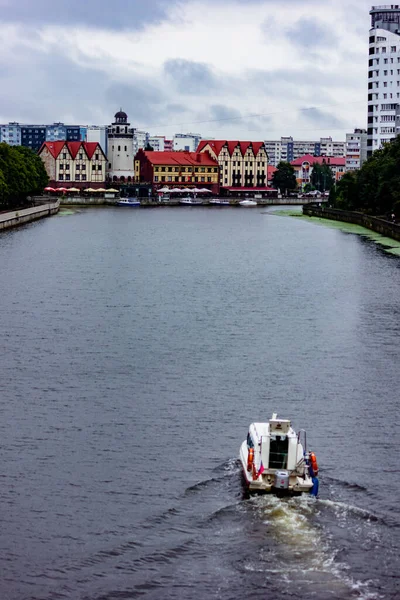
(237,69)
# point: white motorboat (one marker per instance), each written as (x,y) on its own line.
(189,200)
(275,459)
(128,202)
(248,203)
(219,202)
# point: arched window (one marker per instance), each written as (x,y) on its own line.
(122,178)
(129,178)
(115,178)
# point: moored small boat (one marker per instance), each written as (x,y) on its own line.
(219,202)
(188,200)
(248,203)
(128,202)
(275,459)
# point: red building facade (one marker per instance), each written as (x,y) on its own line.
(177,169)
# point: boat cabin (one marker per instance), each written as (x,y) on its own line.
(276,442)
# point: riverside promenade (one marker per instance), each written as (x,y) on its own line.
(14,218)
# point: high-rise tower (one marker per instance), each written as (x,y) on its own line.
(383,76)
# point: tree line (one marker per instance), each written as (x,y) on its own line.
(22,174)
(375,188)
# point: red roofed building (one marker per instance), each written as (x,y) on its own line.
(177,169)
(303,167)
(82,164)
(243,165)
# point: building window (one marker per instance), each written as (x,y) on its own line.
(61,177)
(67,166)
(77,177)
(155,178)
(64,155)
(77,167)
(83,178)
(169,178)
(80,155)
(97,156)
(93,167)
(202,178)
(126,148)
(392,48)
(67,177)
(208,178)
(119,148)
(83,168)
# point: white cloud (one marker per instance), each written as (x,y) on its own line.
(212,57)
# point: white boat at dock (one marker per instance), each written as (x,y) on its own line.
(248,203)
(219,202)
(275,459)
(128,202)
(189,200)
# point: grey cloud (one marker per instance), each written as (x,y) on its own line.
(119,14)
(322,118)
(190,77)
(308,33)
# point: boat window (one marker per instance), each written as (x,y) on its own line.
(250,443)
(278,452)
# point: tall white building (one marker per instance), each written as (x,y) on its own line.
(140,139)
(120,150)
(97,133)
(187,141)
(11,134)
(356,149)
(157,142)
(383,75)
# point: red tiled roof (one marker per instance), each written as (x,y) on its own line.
(73,148)
(180,158)
(334,161)
(53,147)
(217,145)
(91,148)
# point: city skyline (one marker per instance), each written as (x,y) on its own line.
(208,67)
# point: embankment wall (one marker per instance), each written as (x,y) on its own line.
(15,218)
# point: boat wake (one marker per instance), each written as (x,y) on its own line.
(301,553)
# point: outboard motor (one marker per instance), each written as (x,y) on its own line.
(281,483)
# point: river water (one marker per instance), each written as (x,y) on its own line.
(137,346)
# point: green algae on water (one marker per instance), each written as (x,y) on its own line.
(390,245)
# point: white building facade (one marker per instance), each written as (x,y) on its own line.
(287,149)
(187,141)
(383,75)
(356,149)
(97,133)
(11,134)
(120,151)
(140,139)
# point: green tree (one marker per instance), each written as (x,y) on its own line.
(284,178)
(346,193)
(321,177)
(22,174)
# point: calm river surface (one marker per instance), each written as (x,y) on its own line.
(137,346)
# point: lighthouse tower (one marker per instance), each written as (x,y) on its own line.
(120,149)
